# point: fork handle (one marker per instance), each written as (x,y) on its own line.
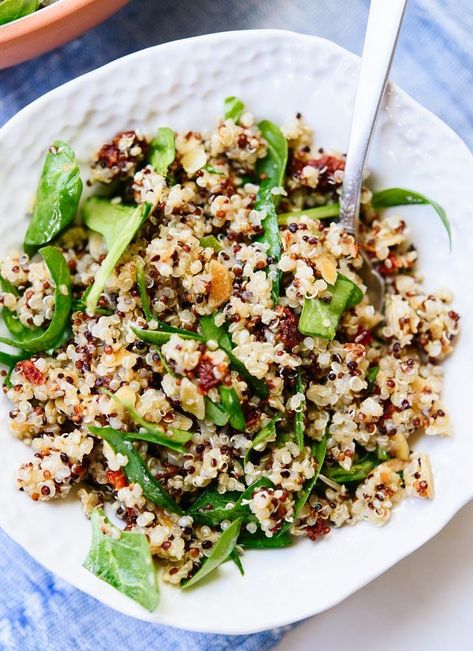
(384,23)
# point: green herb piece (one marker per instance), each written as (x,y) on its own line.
(163,334)
(122,559)
(174,439)
(57,196)
(220,552)
(357,472)
(118,224)
(402,197)
(79,304)
(136,469)
(231,404)
(162,150)
(213,170)
(211,242)
(235,557)
(142,290)
(36,341)
(212,332)
(10,361)
(215,413)
(272,169)
(320,212)
(14,9)
(299,418)
(371,375)
(163,361)
(233,108)
(264,436)
(211,507)
(321,319)
(10,318)
(319,450)
(381,455)
(259,540)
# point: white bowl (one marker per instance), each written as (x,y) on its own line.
(183,85)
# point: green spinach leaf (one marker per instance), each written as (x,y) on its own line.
(118,224)
(231,404)
(271,169)
(136,469)
(264,436)
(162,150)
(234,108)
(57,196)
(215,413)
(174,439)
(122,559)
(142,290)
(36,341)
(220,552)
(321,319)
(319,450)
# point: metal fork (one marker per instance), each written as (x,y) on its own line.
(384,24)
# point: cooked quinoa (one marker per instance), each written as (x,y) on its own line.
(363,393)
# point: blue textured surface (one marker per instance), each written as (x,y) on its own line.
(434,63)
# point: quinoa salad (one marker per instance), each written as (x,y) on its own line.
(11,10)
(192,353)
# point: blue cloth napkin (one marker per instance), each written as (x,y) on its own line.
(434,63)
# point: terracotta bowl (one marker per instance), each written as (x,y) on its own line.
(51,27)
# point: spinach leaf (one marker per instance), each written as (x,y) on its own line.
(136,469)
(210,331)
(122,559)
(213,170)
(371,376)
(319,450)
(264,436)
(163,334)
(118,224)
(234,108)
(36,341)
(57,196)
(260,540)
(357,472)
(211,507)
(299,418)
(231,404)
(10,318)
(210,242)
(174,439)
(14,9)
(142,290)
(162,150)
(402,197)
(272,169)
(215,413)
(321,319)
(235,557)
(220,552)
(320,212)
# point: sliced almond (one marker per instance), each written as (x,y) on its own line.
(220,283)
(399,447)
(327,267)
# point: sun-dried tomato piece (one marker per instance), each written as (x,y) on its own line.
(317,530)
(206,375)
(389,266)
(30,372)
(288,332)
(116,478)
(121,155)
